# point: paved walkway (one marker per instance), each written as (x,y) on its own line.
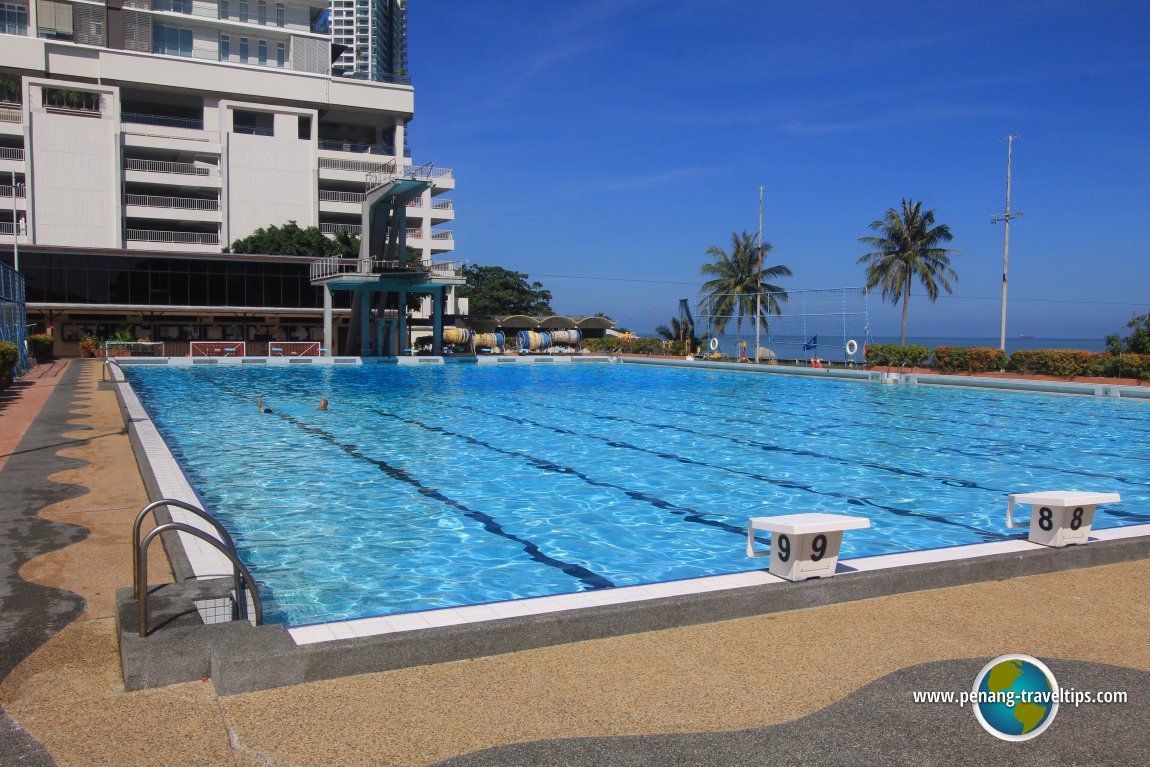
(826,685)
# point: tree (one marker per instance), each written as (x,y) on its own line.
(493,290)
(1138,342)
(907,247)
(736,282)
(679,332)
(291,240)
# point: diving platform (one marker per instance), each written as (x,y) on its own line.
(385,275)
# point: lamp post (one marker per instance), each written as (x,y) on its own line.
(1005,218)
(759,293)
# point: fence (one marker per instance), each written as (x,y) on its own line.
(14,316)
(828,324)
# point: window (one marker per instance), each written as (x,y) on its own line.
(281,15)
(244,50)
(178,6)
(263,49)
(172,41)
(13,19)
(223,9)
(225,47)
(262,11)
(243,10)
(281,55)
(54,20)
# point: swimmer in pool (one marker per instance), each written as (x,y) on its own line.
(323,406)
(260,405)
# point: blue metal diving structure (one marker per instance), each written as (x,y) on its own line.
(384,276)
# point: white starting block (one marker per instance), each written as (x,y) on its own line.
(1059,517)
(803,545)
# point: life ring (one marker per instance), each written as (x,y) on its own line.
(714,344)
(852,347)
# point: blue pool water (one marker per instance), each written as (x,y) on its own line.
(437,486)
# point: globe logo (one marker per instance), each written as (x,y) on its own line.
(1015,697)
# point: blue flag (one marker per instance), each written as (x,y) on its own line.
(811,344)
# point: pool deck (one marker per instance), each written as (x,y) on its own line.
(828,684)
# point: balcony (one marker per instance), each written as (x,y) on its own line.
(160,166)
(181,238)
(184,174)
(352,229)
(331,145)
(147,206)
(186,123)
(10,153)
(6,191)
(184,203)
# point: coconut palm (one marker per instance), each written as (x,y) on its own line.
(907,247)
(679,332)
(736,281)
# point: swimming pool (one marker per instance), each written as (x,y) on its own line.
(444,485)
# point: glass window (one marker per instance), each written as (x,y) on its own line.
(281,54)
(262,11)
(281,15)
(243,10)
(263,49)
(225,47)
(13,19)
(223,9)
(244,50)
(172,41)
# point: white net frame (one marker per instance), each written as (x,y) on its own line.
(818,323)
(134,349)
(217,349)
(294,349)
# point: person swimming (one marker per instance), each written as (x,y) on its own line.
(260,405)
(323,406)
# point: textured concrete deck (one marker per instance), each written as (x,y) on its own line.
(732,692)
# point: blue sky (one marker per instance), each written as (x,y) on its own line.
(602,145)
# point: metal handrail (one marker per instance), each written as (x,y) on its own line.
(227,539)
(247,583)
(104,377)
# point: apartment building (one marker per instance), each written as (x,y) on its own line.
(138,138)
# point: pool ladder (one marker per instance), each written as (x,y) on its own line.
(242,579)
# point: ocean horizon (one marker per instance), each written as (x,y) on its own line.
(831,347)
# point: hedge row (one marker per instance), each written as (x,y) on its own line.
(1067,363)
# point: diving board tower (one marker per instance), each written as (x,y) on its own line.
(384,275)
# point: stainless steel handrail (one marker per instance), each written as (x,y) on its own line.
(151,507)
(141,574)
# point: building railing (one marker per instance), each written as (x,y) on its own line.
(10,153)
(336,228)
(347,146)
(10,115)
(185,203)
(253,130)
(6,228)
(167,122)
(414,234)
(156,235)
(446,234)
(6,191)
(336,265)
(356,166)
(159,166)
(330,196)
(442,205)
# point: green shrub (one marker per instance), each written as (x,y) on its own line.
(953,359)
(1057,362)
(893,355)
(646,346)
(608,345)
(1126,366)
(40,345)
(9,354)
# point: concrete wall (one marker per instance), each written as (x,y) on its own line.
(269,179)
(75,171)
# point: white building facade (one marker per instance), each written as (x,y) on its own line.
(170,128)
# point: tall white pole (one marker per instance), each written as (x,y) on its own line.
(1005,217)
(15,228)
(759,294)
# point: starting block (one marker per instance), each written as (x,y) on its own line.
(1059,517)
(803,545)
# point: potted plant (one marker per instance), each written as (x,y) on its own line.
(40,345)
(90,346)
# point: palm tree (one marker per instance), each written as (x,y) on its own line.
(736,281)
(678,332)
(907,247)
